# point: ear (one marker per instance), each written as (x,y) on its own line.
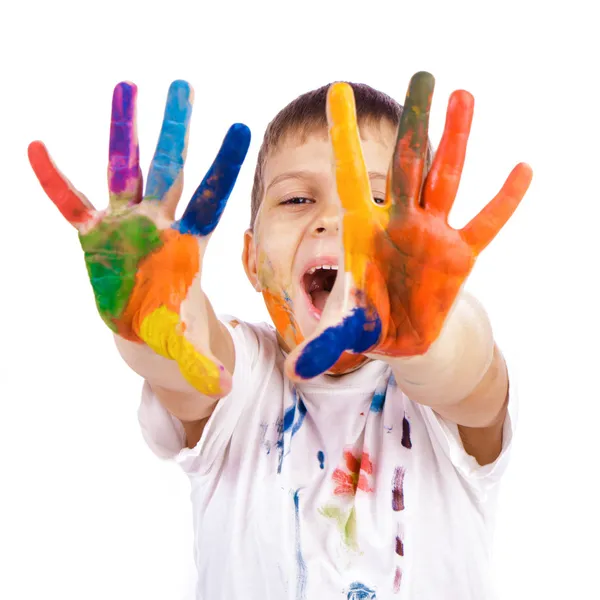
(249,260)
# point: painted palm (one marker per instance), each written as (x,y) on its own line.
(143,265)
(401,265)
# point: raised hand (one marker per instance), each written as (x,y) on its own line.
(403,266)
(145,267)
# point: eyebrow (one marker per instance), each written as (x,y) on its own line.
(307,174)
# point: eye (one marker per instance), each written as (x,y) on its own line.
(378,200)
(297,200)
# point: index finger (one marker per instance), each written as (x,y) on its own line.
(410,153)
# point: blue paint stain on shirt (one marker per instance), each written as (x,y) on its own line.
(301,565)
(357,332)
(293,418)
(380,394)
(359,591)
(377,402)
(206,207)
(321,458)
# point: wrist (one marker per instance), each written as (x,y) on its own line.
(455,363)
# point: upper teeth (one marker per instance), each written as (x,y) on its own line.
(329,267)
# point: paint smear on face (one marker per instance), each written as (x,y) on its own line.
(301,574)
(321,459)
(406,441)
(359,591)
(398,489)
(397,580)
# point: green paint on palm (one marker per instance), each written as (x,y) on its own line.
(346,522)
(113,251)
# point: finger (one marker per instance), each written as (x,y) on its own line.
(124,174)
(352,178)
(208,202)
(410,153)
(442,181)
(483,228)
(357,332)
(73,205)
(166,169)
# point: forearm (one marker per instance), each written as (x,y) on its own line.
(463,375)
(178,396)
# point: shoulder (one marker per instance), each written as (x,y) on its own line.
(253,342)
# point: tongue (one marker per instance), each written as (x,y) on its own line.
(319,298)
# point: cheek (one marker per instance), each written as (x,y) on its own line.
(275,258)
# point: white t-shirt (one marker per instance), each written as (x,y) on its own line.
(341,488)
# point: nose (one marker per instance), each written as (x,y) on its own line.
(328,220)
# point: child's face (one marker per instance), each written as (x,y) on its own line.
(292,255)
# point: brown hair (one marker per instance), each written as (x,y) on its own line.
(307,114)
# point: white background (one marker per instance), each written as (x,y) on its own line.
(86,510)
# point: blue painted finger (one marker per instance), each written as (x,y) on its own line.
(357,332)
(208,202)
(169,157)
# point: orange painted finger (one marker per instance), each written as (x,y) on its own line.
(408,163)
(483,228)
(73,205)
(443,179)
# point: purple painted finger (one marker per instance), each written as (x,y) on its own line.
(124,174)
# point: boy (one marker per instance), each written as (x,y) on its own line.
(351,452)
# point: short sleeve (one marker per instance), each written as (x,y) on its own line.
(481,478)
(164,433)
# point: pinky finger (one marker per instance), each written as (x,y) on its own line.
(483,228)
(73,205)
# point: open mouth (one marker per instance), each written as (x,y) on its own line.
(318,282)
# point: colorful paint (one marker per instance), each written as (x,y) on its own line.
(398,489)
(404,272)
(124,173)
(167,164)
(345,520)
(359,591)
(321,459)
(355,475)
(301,574)
(379,397)
(406,441)
(142,273)
(399,546)
(397,579)
(288,426)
